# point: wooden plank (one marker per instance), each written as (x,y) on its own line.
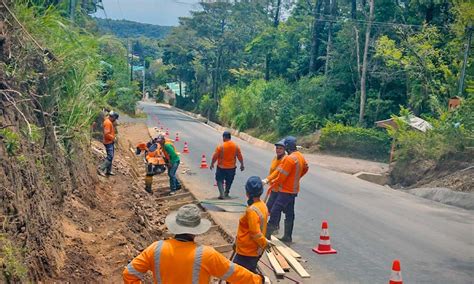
(274,262)
(293,253)
(176,196)
(281,259)
(223,248)
(293,262)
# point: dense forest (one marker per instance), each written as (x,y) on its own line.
(273,68)
(130,29)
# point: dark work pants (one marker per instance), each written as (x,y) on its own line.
(249,262)
(109,149)
(281,202)
(226,175)
(174,183)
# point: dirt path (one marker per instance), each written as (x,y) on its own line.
(117,219)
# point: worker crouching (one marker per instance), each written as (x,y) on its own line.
(154,161)
(181,260)
(251,241)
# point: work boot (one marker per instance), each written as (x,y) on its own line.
(288,232)
(226,194)
(220,186)
(110,173)
(270,231)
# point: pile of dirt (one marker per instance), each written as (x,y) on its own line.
(454,171)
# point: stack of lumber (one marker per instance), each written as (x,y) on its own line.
(282,258)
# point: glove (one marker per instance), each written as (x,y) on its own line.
(270,243)
(265,181)
(242,168)
(211,167)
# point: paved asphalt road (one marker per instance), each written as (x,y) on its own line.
(370,225)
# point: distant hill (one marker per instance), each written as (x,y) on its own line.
(124,28)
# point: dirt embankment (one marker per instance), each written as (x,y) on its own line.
(455,171)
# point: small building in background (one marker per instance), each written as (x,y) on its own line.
(454,103)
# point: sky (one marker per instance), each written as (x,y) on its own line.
(158,12)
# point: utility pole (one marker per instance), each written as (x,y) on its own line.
(143,87)
(131,61)
(466,54)
(72,9)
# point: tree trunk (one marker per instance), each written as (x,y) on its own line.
(353,9)
(364,63)
(267,66)
(276,17)
(329,43)
(315,41)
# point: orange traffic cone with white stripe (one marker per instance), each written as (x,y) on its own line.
(396,276)
(186,149)
(167,133)
(324,246)
(177,137)
(203,162)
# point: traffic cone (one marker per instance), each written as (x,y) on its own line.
(186,149)
(396,276)
(161,128)
(177,137)
(203,162)
(167,133)
(324,246)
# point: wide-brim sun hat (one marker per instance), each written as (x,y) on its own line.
(187,220)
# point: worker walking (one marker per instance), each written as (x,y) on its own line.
(226,155)
(251,242)
(172,161)
(105,169)
(273,173)
(181,260)
(287,183)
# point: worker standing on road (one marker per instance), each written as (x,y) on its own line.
(287,183)
(251,242)
(226,155)
(181,260)
(172,162)
(105,169)
(273,173)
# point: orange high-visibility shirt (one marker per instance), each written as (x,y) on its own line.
(155,158)
(273,171)
(226,155)
(174,261)
(109,131)
(290,171)
(251,239)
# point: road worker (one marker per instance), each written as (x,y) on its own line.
(172,162)
(287,183)
(105,169)
(226,155)
(181,260)
(251,242)
(155,163)
(273,173)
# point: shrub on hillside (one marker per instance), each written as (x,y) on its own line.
(355,141)
(125,99)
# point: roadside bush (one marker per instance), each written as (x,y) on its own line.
(125,99)
(305,123)
(355,141)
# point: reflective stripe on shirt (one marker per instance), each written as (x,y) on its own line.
(197,264)
(158,249)
(133,271)
(229,272)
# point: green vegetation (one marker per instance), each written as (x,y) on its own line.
(355,141)
(11,261)
(11,141)
(345,62)
(130,29)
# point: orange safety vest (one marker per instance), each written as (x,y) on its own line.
(226,155)
(251,239)
(290,171)
(172,261)
(273,173)
(109,131)
(155,158)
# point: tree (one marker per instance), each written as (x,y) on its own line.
(363,77)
